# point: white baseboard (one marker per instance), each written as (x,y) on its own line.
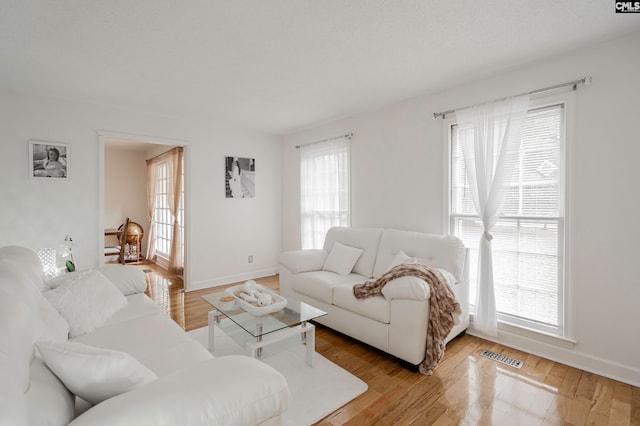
(230,279)
(571,357)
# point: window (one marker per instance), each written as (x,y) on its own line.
(324,189)
(162,219)
(528,239)
(161,215)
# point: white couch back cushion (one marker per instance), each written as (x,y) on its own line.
(438,251)
(366,239)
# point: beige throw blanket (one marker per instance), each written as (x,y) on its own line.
(444,309)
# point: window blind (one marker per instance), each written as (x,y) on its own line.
(528,238)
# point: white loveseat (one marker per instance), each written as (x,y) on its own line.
(395,322)
(138,367)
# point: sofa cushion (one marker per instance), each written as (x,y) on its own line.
(145,332)
(94,374)
(86,302)
(13,405)
(17,331)
(49,402)
(50,325)
(399,258)
(138,305)
(341,259)
(439,251)
(406,288)
(176,357)
(16,280)
(129,279)
(319,284)
(303,260)
(366,239)
(251,393)
(28,260)
(376,308)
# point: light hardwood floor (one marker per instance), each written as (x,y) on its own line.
(465,389)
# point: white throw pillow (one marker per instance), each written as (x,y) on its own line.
(342,259)
(94,374)
(65,279)
(400,258)
(87,302)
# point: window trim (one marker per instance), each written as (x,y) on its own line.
(565,306)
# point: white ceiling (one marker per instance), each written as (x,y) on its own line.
(281,65)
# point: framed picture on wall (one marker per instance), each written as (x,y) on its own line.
(48,160)
(239,180)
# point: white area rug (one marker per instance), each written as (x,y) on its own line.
(315,391)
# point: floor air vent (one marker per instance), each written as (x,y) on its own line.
(501,358)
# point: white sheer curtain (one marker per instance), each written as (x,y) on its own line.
(324,189)
(174,195)
(490,137)
(152,194)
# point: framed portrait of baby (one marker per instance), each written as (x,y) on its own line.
(48,160)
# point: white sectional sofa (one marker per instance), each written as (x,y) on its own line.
(126,356)
(395,322)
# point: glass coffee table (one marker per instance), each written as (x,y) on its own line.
(260,331)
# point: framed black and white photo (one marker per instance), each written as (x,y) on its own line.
(48,160)
(239,180)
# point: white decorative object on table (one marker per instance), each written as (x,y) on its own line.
(257,299)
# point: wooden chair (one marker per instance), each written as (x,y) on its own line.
(119,249)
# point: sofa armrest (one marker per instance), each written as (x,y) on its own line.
(128,279)
(303,260)
(230,390)
(408,287)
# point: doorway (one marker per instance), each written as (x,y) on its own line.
(123,189)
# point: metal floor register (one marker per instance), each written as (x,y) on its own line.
(502,358)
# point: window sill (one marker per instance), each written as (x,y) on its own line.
(530,333)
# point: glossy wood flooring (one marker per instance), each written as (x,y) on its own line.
(465,389)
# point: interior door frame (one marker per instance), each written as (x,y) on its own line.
(104,136)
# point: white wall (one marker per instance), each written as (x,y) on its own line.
(397,181)
(125,187)
(37,213)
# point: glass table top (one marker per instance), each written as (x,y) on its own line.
(294,313)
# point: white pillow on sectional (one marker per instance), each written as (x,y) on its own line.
(65,279)
(86,303)
(94,374)
(342,259)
